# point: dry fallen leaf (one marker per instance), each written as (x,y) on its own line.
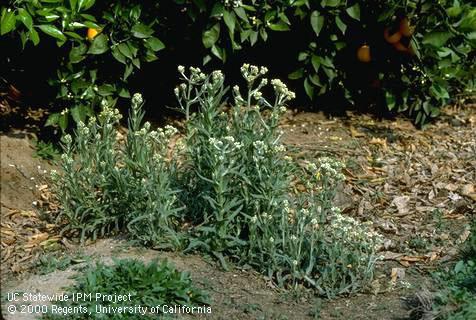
(402,204)
(379,141)
(397,274)
(355,134)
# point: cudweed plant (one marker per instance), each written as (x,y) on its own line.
(234,177)
(107,187)
(239,180)
(238,170)
(314,243)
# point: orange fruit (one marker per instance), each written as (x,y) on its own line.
(92,33)
(363,53)
(391,38)
(405,28)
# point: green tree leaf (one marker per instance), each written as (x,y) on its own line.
(155,44)
(34,37)
(118,55)
(72,5)
(84,5)
(330,3)
(142,31)
(280,26)
(316,62)
(229,18)
(390,99)
(99,44)
(127,71)
(354,11)
(25,18)
(211,36)
(317,22)
(7,21)
(341,25)
(124,49)
(298,74)
(63,121)
(77,53)
(219,53)
(79,113)
(240,12)
(52,119)
(52,31)
(437,38)
(309,88)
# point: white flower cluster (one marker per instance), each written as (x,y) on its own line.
(310,166)
(160,134)
(279,148)
(112,115)
(266,216)
(314,224)
(141,133)
(67,137)
(196,75)
(225,143)
(289,211)
(217,76)
(54,175)
(260,147)
(331,168)
(251,73)
(67,159)
(137,100)
(353,232)
(217,144)
(282,90)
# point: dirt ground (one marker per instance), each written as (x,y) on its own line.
(416,186)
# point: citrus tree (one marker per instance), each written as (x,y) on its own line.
(102,45)
(417,54)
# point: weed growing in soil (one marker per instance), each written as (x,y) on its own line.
(235,180)
(456,285)
(106,187)
(52,262)
(240,179)
(456,299)
(46,150)
(150,285)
